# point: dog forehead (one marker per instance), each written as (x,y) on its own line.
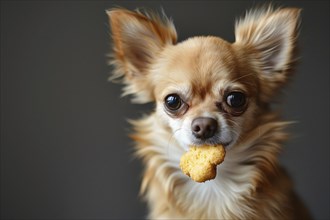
(199,61)
(200,55)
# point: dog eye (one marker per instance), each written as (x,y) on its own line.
(173,102)
(236,99)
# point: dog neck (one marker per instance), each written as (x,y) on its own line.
(248,165)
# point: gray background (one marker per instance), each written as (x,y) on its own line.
(65,153)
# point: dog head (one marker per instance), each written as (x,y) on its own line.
(207,90)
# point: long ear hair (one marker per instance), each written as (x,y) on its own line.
(269,38)
(137,39)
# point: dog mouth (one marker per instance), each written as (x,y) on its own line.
(198,142)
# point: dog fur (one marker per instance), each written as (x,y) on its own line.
(250,183)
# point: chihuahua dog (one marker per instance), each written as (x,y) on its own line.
(209,91)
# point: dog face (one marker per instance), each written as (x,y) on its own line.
(207,90)
(202,92)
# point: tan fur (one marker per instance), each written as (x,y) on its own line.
(202,70)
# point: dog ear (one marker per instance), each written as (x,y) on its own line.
(138,38)
(269,38)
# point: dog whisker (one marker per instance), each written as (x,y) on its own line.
(241,77)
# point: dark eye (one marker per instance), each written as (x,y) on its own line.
(236,99)
(173,102)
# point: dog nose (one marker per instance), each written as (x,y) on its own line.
(204,127)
